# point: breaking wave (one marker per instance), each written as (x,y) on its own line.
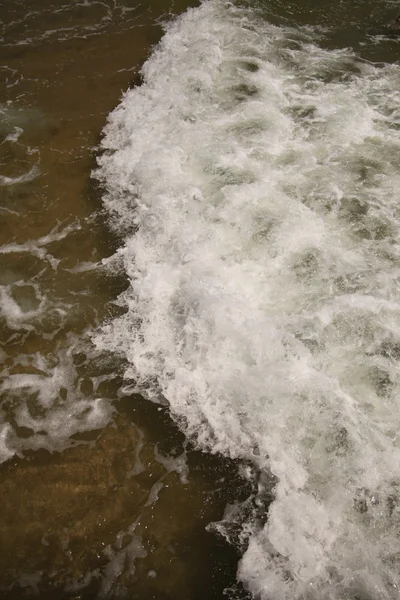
(254,176)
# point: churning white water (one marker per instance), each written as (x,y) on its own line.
(255,176)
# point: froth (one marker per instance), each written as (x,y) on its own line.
(48,386)
(255,177)
(43,405)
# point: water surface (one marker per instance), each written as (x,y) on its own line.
(84,465)
(234,258)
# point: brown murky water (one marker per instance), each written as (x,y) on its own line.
(100,495)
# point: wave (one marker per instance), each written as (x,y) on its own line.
(254,177)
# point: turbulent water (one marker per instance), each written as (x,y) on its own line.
(255,177)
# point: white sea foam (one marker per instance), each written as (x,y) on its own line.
(44,397)
(38,247)
(256,178)
(30,175)
(42,403)
(14,137)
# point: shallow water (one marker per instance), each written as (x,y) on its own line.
(242,275)
(101,495)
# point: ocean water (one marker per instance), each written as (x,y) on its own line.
(254,176)
(102,497)
(200,316)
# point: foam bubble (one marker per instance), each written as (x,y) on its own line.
(43,403)
(255,176)
(14,136)
(30,175)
